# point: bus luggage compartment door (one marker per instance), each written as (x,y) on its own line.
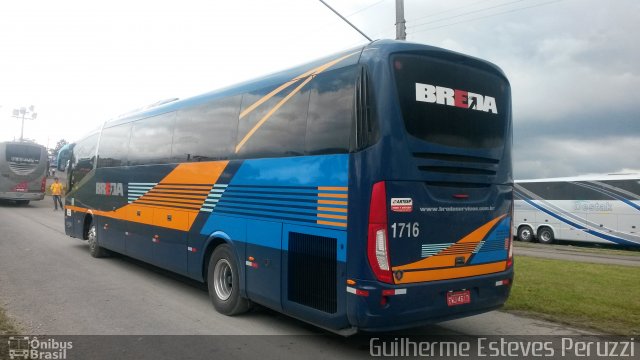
(263,262)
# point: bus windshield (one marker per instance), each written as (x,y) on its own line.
(451,103)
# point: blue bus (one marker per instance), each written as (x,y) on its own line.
(369,190)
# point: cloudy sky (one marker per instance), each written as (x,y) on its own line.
(574,65)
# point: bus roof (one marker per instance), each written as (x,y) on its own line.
(380,49)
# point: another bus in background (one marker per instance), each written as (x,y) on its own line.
(23,169)
(601,209)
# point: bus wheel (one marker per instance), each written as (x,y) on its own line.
(545,235)
(223,282)
(95,249)
(525,233)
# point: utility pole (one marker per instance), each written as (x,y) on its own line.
(401,33)
(20,114)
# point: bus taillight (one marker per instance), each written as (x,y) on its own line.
(43,184)
(509,240)
(377,242)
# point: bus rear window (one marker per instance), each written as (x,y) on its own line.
(23,153)
(451,103)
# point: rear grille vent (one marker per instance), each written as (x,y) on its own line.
(22,168)
(312,271)
(457,184)
(456,158)
(457,170)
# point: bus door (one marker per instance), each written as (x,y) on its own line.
(111,196)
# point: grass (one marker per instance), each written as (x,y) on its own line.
(597,296)
(7,326)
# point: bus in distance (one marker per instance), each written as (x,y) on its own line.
(600,209)
(23,167)
(369,190)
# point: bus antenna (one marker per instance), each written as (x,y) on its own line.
(347,21)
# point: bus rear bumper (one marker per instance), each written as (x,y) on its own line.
(12,195)
(412,305)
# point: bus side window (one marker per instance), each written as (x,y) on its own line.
(206,132)
(114,143)
(264,133)
(331,111)
(151,140)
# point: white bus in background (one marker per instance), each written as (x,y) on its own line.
(597,209)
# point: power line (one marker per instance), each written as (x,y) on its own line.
(447,11)
(345,20)
(466,13)
(487,16)
(366,8)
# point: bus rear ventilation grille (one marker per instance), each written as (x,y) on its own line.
(22,169)
(455,158)
(312,271)
(452,184)
(456,170)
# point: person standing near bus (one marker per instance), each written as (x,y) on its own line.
(56,191)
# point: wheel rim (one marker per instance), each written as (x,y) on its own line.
(525,234)
(92,238)
(545,236)
(223,279)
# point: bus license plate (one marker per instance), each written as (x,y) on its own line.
(458,297)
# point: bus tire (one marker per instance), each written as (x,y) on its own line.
(545,235)
(22,202)
(95,250)
(223,282)
(525,233)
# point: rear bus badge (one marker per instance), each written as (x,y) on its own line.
(398,275)
(402,204)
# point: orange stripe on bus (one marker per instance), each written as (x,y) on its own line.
(450,273)
(196,173)
(155,197)
(184,187)
(322,222)
(201,173)
(186,192)
(333,188)
(170,204)
(340,196)
(331,216)
(321,208)
(332,202)
(177,196)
